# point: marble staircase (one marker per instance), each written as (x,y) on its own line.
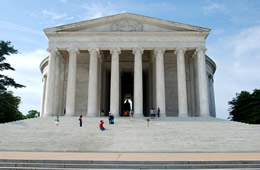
(195,134)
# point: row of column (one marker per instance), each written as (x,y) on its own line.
(203,106)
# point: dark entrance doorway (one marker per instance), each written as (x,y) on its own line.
(127,87)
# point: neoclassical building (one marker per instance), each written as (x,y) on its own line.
(98,64)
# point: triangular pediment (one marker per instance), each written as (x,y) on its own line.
(126,22)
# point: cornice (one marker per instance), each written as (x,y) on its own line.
(139,34)
(125,16)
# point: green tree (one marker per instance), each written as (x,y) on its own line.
(5,50)
(9,107)
(245,107)
(8,102)
(32,114)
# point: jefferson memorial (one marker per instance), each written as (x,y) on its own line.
(95,66)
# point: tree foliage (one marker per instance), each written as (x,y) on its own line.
(9,107)
(246,107)
(5,50)
(32,114)
(8,102)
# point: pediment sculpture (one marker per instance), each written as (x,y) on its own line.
(127,26)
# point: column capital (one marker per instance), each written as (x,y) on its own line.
(73,49)
(53,50)
(180,49)
(115,50)
(198,49)
(159,51)
(138,49)
(93,50)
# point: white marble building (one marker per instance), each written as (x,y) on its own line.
(97,64)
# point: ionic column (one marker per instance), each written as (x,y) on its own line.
(49,104)
(43,95)
(57,99)
(114,91)
(212,98)
(202,83)
(71,87)
(160,83)
(138,82)
(93,82)
(181,79)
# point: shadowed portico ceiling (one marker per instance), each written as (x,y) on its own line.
(125,22)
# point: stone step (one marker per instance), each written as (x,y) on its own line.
(76,164)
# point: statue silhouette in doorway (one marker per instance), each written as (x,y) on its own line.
(126,108)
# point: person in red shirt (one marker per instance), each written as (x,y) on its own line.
(101,127)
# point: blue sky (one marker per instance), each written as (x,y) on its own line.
(233,42)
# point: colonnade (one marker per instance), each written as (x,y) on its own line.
(53,68)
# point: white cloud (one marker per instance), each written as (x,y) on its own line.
(237,58)
(246,42)
(53,15)
(214,7)
(96,10)
(69,18)
(9,25)
(27,73)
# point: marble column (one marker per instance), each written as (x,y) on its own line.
(49,104)
(62,85)
(181,80)
(114,91)
(43,95)
(93,82)
(71,87)
(154,81)
(211,96)
(138,82)
(57,99)
(203,102)
(160,82)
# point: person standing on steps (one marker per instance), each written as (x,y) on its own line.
(110,118)
(80,121)
(101,125)
(57,121)
(158,112)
